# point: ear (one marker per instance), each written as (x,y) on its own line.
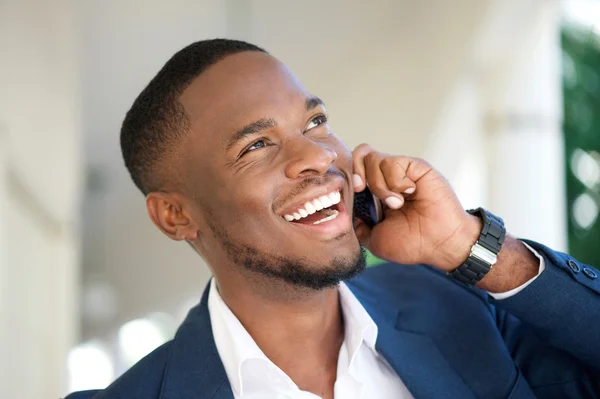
(167,213)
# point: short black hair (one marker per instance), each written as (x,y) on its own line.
(157,119)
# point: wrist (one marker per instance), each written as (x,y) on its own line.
(459,246)
(516,265)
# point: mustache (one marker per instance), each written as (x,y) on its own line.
(307,182)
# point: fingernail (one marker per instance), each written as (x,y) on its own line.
(356,180)
(409,190)
(393,202)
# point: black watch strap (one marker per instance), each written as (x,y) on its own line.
(485,251)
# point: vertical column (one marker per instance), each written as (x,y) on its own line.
(526,184)
(3,256)
(39,196)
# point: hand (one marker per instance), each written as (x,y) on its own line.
(424,220)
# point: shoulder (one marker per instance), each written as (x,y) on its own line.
(143,380)
(389,272)
(395,282)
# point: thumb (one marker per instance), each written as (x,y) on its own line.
(363,233)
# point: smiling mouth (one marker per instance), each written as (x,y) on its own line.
(317,211)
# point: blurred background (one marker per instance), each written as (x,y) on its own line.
(502,96)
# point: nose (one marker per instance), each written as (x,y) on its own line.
(306,157)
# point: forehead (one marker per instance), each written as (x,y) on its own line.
(240,89)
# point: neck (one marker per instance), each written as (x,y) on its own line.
(299,330)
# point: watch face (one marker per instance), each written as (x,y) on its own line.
(367,207)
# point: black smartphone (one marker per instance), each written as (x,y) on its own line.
(367,207)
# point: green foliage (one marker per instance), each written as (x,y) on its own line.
(372,260)
(581,88)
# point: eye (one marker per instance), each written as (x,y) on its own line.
(316,121)
(255,146)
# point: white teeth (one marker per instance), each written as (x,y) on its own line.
(317,204)
(335,197)
(328,218)
(325,201)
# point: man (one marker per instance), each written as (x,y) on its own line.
(237,158)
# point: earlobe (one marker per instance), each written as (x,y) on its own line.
(166,212)
(189,235)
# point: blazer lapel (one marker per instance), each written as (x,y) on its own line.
(194,369)
(414,356)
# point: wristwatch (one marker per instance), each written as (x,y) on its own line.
(484,253)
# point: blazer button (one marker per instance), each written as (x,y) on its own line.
(573,266)
(590,273)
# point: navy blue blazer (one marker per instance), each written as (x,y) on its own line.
(443,340)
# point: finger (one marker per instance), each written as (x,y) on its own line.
(419,168)
(394,171)
(358,177)
(377,183)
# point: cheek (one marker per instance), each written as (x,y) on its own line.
(244,207)
(344,153)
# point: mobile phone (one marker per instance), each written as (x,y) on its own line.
(367,207)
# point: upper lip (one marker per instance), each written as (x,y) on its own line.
(311,195)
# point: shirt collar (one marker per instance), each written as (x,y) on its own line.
(359,327)
(244,361)
(234,343)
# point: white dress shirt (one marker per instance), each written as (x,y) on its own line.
(362,373)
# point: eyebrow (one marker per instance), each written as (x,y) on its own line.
(313,102)
(251,129)
(262,124)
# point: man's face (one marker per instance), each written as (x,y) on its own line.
(261,148)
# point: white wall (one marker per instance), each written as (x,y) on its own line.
(39,193)
(124,44)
